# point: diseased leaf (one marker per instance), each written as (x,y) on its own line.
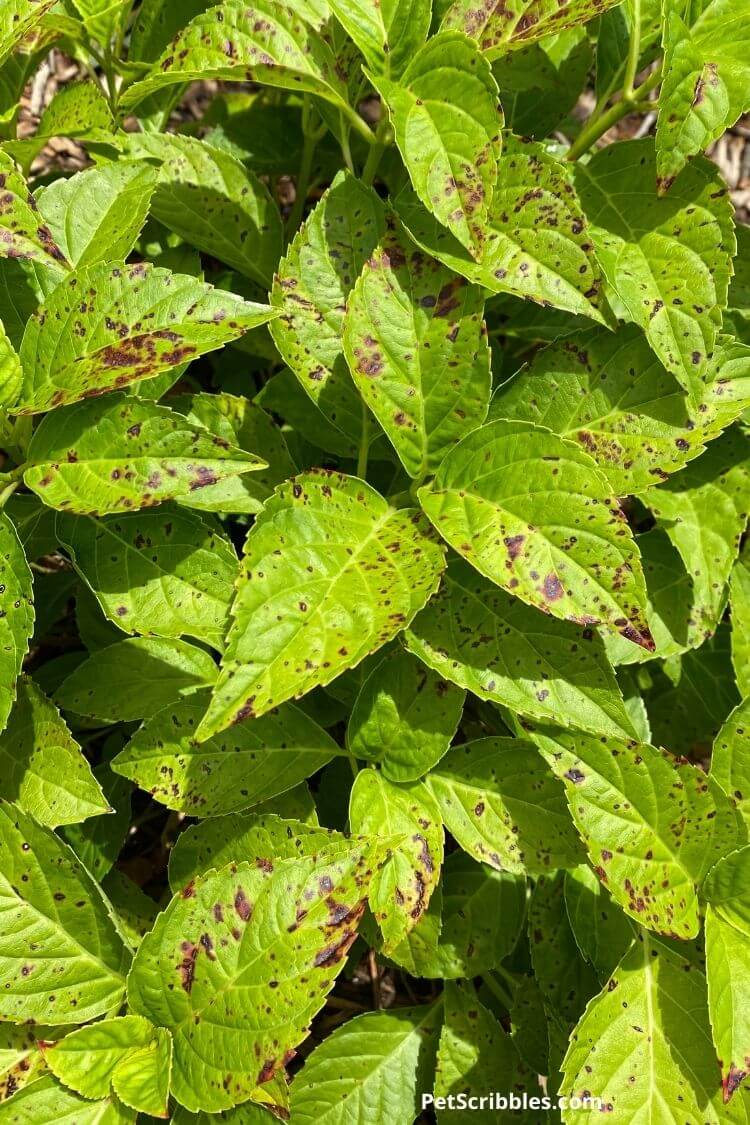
(96,215)
(389,1056)
(21,1061)
(652,827)
(230,771)
(490,643)
(730,760)
(728,974)
(704,512)
(112,454)
(16,613)
(79,110)
(387,34)
(11,375)
(447,123)
(252,837)
(61,959)
(150,674)
(400,892)
(314,561)
(644,1043)
(47,1102)
(739,600)
(159,573)
(17,19)
(472,924)
(531,512)
(500,27)
(110,325)
(280,923)
(706,77)
(43,769)
(208,197)
(565,979)
(502,804)
(475,1055)
(415,342)
(404,717)
(127,1056)
(23,234)
(603,933)
(666,260)
(726,889)
(311,287)
(610,394)
(541,82)
(266,43)
(537,243)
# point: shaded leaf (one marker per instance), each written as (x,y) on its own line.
(730,760)
(728,974)
(565,979)
(603,933)
(16,613)
(230,771)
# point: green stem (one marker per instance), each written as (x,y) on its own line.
(358,124)
(8,491)
(345,147)
(376,152)
(303,176)
(634,51)
(598,126)
(364,443)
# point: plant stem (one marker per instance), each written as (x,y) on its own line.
(376,152)
(598,126)
(364,443)
(497,990)
(345,147)
(634,51)
(358,124)
(303,176)
(8,491)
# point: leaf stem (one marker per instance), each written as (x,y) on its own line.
(345,146)
(303,176)
(358,124)
(498,990)
(599,125)
(376,152)
(634,50)
(8,491)
(364,443)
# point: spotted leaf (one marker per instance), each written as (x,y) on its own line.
(500,26)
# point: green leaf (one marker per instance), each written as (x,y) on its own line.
(610,394)
(231,771)
(97,215)
(252,951)
(157,22)
(739,600)
(499,28)
(80,111)
(61,958)
(728,974)
(565,979)
(477,927)
(537,241)
(258,836)
(127,1056)
(666,260)
(603,933)
(16,613)
(102,456)
(135,910)
(315,604)
(23,235)
(17,19)
(499,649)
(726,889)
(401,891)
(46,1102)
(652,826)
(644,1043)
(447,122)
(704,512)
(11,374)
(474,1057)
(43,768)
(150,674)
(387,34)
(404,717)
(730,760)
(502,805)
(532,513)
(540,83)
(389,1060)
(706,77)
(265,43)
(415,342)
(312,286)
(110,325)
(159,573)
(98,842)
(211,200)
